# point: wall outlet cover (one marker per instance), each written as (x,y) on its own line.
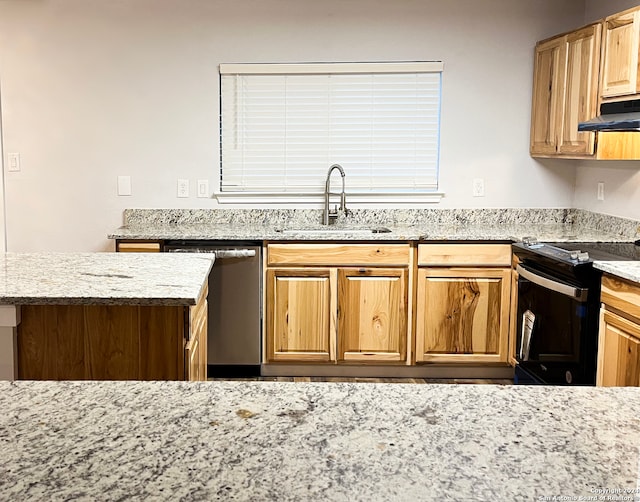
(183,188)
(478,187)
(124,185)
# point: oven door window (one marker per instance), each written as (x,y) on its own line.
(550,324)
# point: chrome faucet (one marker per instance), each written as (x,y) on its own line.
(328,214)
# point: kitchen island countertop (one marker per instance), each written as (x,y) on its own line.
(315,441)
(102,278)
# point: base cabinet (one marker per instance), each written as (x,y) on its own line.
(619,351)
(619,337)
(333,303)
(463,311)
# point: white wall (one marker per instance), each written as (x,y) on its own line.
(92,89)
(621,178)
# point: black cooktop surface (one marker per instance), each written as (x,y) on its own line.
(603,251)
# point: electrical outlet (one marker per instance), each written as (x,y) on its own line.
(14,162)
(601,190)
(203,188)
(124,185)
(183,188)
(478,187)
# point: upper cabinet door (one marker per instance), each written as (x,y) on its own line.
(581,90)
(620,53)
(548,90)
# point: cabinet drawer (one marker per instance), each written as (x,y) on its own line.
(338,254)
(464,255)
(621,295)
(137,247)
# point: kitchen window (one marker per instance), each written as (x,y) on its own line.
(283,125)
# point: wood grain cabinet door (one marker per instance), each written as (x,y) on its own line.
(372,314)
(581,90)
(619,74)
(300,324)
(462,315)
(548,93)
(618,352)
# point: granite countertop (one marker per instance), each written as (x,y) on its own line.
(103,278)
(315,441)
(556,232)
(629,270)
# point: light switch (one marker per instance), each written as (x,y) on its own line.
(14,162)
(183,188)
(124,185)
(203,188)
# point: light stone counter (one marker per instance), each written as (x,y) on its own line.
(629,270)
(262,441)
(405,225)
(102,278)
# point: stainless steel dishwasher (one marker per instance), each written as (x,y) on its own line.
(235,300)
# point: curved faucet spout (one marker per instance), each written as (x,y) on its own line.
(329,215)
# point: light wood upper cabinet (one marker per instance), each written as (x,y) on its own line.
(372,314)
(463,311)
(621,41)
(299,315)
(337,303)
(565,93)
(548,91)
(619,337)
(581,90)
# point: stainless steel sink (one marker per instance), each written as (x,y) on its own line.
(332,230)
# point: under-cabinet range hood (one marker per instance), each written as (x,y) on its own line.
(621,116)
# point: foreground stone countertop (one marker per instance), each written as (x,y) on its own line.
(102,278)
(314,441)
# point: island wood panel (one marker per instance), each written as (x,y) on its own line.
(618,351)
(101,342)
(452,255)
(372,314)
(112,344)
(300,324)
(51,343)
(338,254)
(463,315)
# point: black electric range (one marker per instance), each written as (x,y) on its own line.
(558,308)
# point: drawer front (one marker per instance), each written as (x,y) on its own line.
(137,247)
(338,254)
(464,255)
(621,295)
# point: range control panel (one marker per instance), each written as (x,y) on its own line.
(573,257)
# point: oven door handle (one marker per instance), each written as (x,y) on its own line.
(579,294)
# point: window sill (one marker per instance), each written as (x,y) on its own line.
(318,198)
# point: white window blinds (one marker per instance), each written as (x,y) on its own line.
(282,126)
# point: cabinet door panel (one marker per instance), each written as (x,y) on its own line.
(620,65)
(581,96)
(372,320)
(618,351)
(299,321)
(463,315)
(548,88)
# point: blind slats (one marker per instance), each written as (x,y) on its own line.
(282,132)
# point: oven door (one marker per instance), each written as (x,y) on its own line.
(552,320)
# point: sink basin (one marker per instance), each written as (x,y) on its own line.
(331,230)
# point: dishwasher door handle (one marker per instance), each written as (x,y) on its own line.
(234,253)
